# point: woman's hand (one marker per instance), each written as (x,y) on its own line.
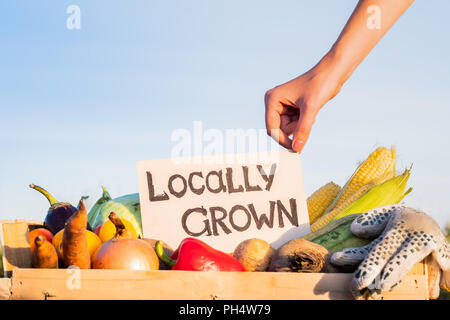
(292,108)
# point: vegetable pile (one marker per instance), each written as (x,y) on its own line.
(109,236)
(67,238)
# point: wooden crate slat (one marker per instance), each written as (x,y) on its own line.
(175,285)
(15,244)
(5,288)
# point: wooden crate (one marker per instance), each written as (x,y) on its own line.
(28,283)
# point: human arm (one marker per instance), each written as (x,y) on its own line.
(292,108)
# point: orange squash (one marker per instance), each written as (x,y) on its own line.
(44,254)
(93,240)
(108,230)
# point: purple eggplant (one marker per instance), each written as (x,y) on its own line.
(58,213)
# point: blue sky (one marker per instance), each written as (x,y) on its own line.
(78,108)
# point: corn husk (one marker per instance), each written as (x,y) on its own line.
(389,192)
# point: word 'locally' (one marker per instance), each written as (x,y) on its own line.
(224,182)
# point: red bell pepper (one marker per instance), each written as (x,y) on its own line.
(195,255)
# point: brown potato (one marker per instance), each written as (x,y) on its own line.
(254,254)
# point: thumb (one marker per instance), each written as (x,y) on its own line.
(303,128)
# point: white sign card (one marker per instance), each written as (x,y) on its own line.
(223,200)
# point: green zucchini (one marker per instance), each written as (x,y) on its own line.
(337,236)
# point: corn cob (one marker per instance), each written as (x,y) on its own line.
(326,218)
(369,197)
(386,193)
(319,201)
(377,168)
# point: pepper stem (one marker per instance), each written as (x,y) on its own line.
(161,254)
(49,197)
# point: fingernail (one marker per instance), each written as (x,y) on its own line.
(297,146)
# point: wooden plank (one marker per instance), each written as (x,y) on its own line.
(419,268)
(5,288)
(15,244)
(176,285)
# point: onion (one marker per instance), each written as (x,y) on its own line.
(124,251)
